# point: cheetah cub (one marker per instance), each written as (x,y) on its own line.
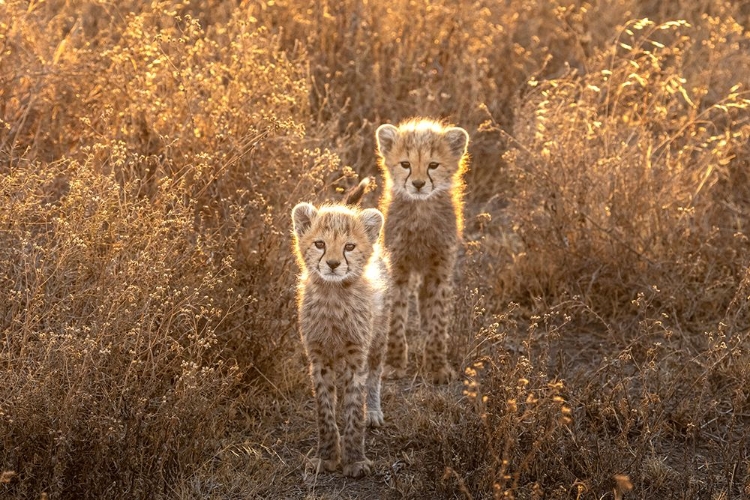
(344,312)
(423,162)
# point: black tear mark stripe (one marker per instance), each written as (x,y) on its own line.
(322,255)
(407,178)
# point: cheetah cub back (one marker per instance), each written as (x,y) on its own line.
(423,162)
(344,309)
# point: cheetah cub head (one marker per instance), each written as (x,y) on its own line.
(335,243)
(422,157)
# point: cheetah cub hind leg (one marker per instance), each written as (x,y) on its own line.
(374,416)
(407,319)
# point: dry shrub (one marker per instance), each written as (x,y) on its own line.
(146,166)
(617,178)
(544,419)
(623,363)
(109,355)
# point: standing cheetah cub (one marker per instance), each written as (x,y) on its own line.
(344,311)
(422,162)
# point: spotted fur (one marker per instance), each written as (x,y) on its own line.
(344,310)
(423,162)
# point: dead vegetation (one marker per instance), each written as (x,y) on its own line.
(150,155)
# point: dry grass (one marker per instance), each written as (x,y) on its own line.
(150,154)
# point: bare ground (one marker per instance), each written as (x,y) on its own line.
(271,457)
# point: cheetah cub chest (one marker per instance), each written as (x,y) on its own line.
(344,310)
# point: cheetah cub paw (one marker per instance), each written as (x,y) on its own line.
(392,373)
(321,465)
(442,374)
(375,418)
(358,469)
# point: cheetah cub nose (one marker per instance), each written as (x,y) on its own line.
(418,184)
(333,264)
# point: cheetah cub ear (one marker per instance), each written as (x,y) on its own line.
(458,140)
(373,222)
(386,136)
(303,215)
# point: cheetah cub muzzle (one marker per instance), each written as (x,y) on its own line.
(344,309)
(422,162)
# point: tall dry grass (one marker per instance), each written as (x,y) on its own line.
(144,251)
(149,155)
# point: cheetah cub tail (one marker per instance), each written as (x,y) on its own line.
(354,196)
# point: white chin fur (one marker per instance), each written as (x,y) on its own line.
(332,278)
(419,195)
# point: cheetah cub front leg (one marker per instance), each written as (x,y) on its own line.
(329,450)
(374,416)
(356,464)
(434,300)
(398,350)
